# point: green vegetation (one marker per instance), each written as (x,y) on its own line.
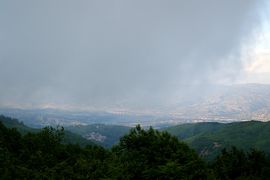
(14,123)
(140,154)
(208,139)
(237,164)
(156,155)
(68,137)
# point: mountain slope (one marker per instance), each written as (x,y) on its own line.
(14,123)
(69,137)
(227,103)
(210,138)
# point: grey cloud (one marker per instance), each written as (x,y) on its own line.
(109,53)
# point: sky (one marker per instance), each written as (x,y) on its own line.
(257,68)
(113,54)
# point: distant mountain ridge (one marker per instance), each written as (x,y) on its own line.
(39,118)
(228,103)
(215,103)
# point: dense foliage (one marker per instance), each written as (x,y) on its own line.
(42,156)
(141,154)
(156,155)
(208,139)
(68,137)
(235,163)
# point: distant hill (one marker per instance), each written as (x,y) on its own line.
(14,123)
(227,103)
(210,138)
(106,135)
(69,137)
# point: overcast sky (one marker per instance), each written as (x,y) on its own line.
(107,54)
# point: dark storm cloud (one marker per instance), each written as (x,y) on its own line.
(107,53)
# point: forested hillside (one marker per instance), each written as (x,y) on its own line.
(68,137)
(208,139)
(141,154)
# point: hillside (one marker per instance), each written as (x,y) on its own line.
(14,123)
(106,135)
(69,137)
(210,138)
(140,154)
(227,103)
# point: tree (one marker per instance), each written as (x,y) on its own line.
(235,163)
(150,154)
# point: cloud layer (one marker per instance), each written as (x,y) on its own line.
(104,54)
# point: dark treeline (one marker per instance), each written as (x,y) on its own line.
(141,154)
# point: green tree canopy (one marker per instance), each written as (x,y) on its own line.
(150,154)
